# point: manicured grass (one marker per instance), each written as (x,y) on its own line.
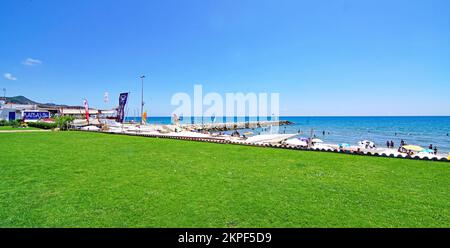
(76,179)
(8,128)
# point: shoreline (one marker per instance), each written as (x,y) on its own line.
(263,140)
(423,130)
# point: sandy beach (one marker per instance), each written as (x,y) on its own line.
(276,140)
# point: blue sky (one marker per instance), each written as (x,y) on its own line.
(323,57)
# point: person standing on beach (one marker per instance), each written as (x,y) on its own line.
(435,150)
(323,133)
(392,144)
(430,147)
(402,142)
(388,144)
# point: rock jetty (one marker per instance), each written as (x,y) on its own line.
(234,125)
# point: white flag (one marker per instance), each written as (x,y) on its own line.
(106,97)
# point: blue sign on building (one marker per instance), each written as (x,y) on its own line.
(35,115)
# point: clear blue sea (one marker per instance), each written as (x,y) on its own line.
(423,130)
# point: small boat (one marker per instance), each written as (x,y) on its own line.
(270,138)
(430,151)
(366,144)
(90,128)
(295,142)
(413,148)
(342,145)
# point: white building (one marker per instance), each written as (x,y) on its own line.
(81,113)
(10,114)
(26,115)
(28,112)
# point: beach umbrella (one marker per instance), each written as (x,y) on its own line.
(413,148)
(344,145)
(317,140)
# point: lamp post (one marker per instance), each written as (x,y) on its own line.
(142,99)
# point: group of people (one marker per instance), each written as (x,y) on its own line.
(323,132)
(390,144)
(434,148)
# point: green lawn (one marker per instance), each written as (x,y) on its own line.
(75,179)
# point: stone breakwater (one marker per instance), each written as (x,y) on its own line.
(234,125)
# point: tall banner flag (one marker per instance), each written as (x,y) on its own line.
(86,109)
(144,117)
(123,97)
